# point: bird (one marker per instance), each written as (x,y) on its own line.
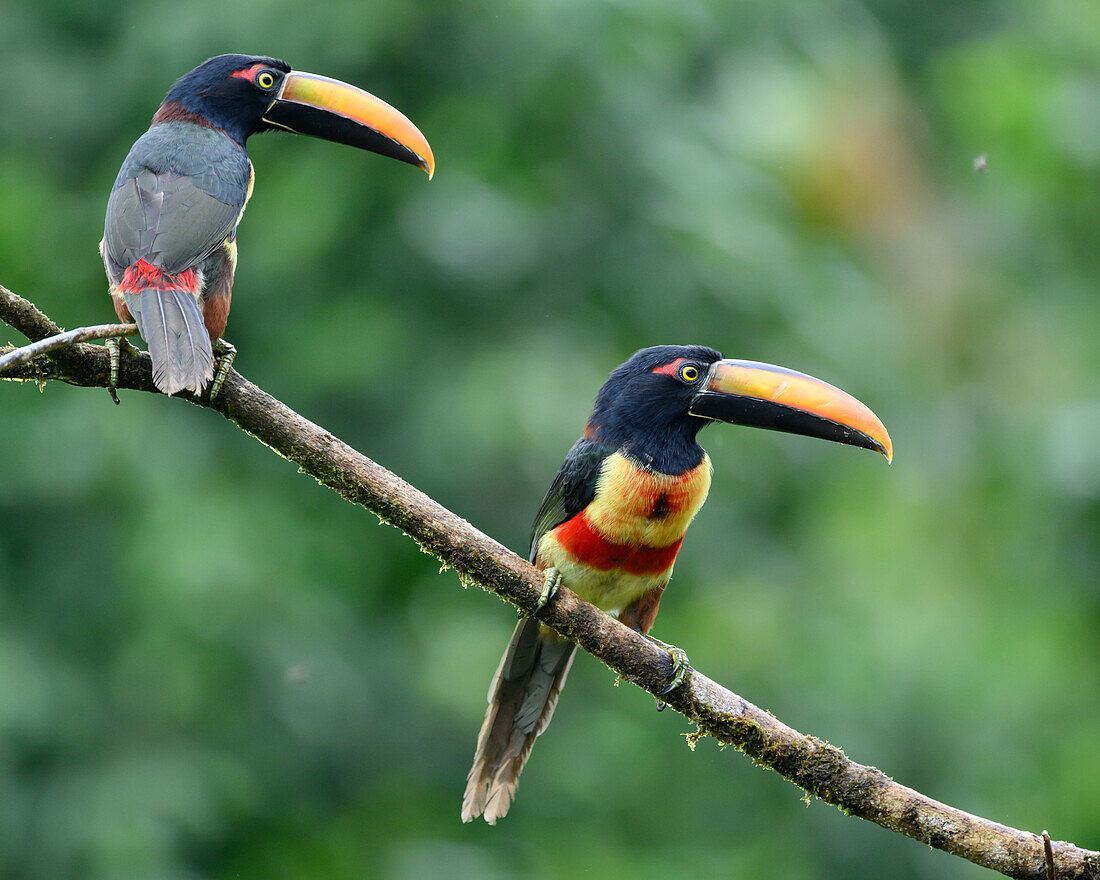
(615,516)
(169,240)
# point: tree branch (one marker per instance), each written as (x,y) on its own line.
(821,769)
(81,334)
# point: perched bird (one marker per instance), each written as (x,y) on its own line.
(616,513)
(169,240)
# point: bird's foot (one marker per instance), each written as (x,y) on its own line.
(114,346)
(680,666)
(550,586)
(226,354)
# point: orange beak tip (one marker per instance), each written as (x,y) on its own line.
(323,107)
(886,447)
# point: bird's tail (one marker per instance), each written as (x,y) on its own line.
(522,697)
(166,309)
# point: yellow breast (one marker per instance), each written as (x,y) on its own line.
(634,505)
(248,192)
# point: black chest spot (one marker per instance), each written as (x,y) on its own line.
(660,509)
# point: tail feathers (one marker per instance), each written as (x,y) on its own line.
(522,698)
(171,323)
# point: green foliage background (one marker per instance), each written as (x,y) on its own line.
(210,667)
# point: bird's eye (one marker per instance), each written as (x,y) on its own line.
(689,373)
(266,79)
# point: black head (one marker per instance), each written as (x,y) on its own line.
(231,91)
(644,407)
(246,94)
(653,406)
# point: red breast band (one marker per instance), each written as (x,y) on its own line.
(590,548)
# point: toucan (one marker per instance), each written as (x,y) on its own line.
(169,240)
(615,516)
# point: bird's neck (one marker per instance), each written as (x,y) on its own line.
(175,111)
(667,448)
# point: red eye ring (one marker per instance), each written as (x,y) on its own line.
(260,76)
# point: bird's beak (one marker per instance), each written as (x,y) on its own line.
(330,109)
(763,396)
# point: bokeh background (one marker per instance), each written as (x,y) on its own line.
(211,667)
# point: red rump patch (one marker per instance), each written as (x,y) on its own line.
(143,275)
(590,548)
(669,369)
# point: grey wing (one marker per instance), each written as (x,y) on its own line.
(164,219)
(178,196)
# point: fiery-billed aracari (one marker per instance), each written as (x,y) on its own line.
(169,241)
(615,516)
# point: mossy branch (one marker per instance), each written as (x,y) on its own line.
(821,769)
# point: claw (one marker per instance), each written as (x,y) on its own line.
(227,353)
(111,344)
(114,344)
(680,666)
(550,587)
